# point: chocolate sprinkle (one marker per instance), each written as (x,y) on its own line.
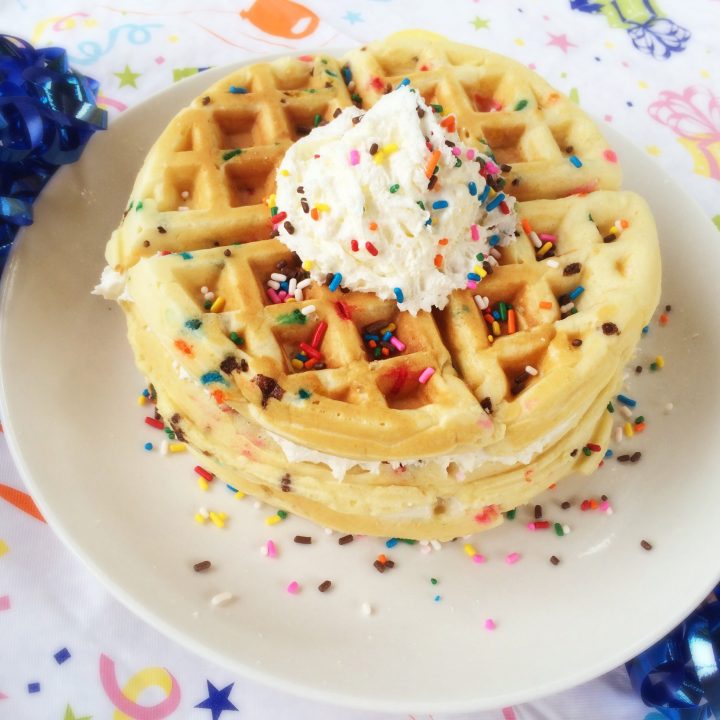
(554,559)
(161,229)
(146,243)
(373,148)
(202,566)
(645,545)
(486,405)
(227,253)
(285,481)
(345,539)
(538,512)
(337,112)
(572,269)
(289,227)
(565,506)
(300,189)
(269,388)
(635,456)
(175,425)
(229,364)
(324,585)
(623,458)
(610,328)
(379,566)
(612,237)
(577,342)
(574,452)
(432,182)
(206,100)
(303,539)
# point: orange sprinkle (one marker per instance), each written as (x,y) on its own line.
(639,427)
(511,321)
(385,352)
(593,504)
(624,223)
(219,396)
(438,261)
(552,487)
(432,163)
(546,305)
(373,226)
(526,226)
(182,346)
(449,123)
(443,241)
(309,364)
(552,97)
(663,319)
(381,558)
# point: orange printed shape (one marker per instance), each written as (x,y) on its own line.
(20,500)
(282,18)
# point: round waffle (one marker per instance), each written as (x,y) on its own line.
(523,366)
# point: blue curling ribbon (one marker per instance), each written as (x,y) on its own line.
(679,676)
(47,115)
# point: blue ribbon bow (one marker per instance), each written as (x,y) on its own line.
(47,115)
(680,675)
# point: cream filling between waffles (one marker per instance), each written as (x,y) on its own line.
(356,199)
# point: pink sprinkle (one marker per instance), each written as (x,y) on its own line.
(474,234)
(293,588)
(512,558)
(478,558)
(490,624)
(271,549)
(425,375)
(282,295)
(610,155)
(491,167)
(604,506)
(470,153)
(456,151)
(471,284)
(399,345)
(547,237)
(273,296)
(354,157)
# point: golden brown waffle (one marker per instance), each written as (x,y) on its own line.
(205,180)
(526,123)
(360,407)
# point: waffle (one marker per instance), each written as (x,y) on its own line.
(523,366)
(499,103)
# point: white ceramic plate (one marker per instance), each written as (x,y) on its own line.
(69,403)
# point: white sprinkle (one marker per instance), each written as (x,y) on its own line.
(495,253)
(183,208)
(184,194)
(530,370)
(292,285)
(493,260)
(328,531)
(274,284)
(669,407)
(299,295)
(425,549)
(436,544)
(278,276)
(204,289)
(536,241)
(626,411)
(567,308)
(609,510)
(553,263)
(203,512)
(618,434)
(303,283)
(263,550)
(481,302)
(566,529)
(164,447)
(366,608)
(308,310)
(257,504)
(210,295)
(221,598)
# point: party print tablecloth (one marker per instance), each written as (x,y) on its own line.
(68,650)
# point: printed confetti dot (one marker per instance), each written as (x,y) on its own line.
(62,656)
(4,602)
(3,547)
(33,687)
(653,150)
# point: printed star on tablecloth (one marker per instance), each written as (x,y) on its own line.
(560,41)
(353,17)
(127,77)
(480,23)
(217,701)
(70,715)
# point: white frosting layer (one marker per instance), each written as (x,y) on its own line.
(466,461)
(112,285)
(351,189)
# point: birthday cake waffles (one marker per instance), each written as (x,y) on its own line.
(392,293)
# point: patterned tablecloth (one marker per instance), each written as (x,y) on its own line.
(68,650)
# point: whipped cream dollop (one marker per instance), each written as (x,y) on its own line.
(356,198)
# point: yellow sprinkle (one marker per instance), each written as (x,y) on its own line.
(222,515)
(629,432)
(614,230)
(544,249)
(297,364)
(271,200)
(322,207)
(199,519)
(142,400)
(470,551)
(482,272)
(203,483)
(285,173)
(660,361)
(390,327)
(272,520)
(217,520)
(177,447)
(308,264)
(390,149)
(218,305)
(496,328)
(239,495)
(491,339)
(379,157)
